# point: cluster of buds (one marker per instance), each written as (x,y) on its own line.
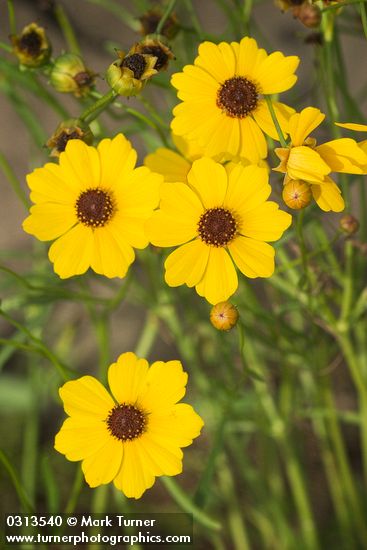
(129,73)
(308,13)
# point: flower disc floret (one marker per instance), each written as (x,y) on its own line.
(237,97)
(126,422)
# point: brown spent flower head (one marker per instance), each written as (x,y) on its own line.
(70,75)
(224,316)
(349,224)
(285,5)
(128,75)
(308,14)
(297,194)
(67,130)
(32,47)
(150,21)
(154,45)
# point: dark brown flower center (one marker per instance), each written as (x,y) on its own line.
(217,227)
(237,97)
(64,137)
(159,53)
(136,63)
(30,43)
(126,422)
(95,207)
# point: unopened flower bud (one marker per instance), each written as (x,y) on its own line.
(155,46)
(150,21)
(128,74)
(297,194)
(69,75)
(32,46)
(349,224)
(67,130)
(224,316)
(308,14)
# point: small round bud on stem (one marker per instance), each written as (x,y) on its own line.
(349,224)
(297,194)
(224,316)
(32,46)
(69,75)
(308,14)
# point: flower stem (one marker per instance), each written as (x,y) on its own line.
(67,29)
(100,105)
(24,500)
(11,15)
(339,5)
(165,16)
(276,122)
(13,180)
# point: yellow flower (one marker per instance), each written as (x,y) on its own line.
(304,160)
(134,436)
(217,212)
(95,204)
(221,105)
(356,128)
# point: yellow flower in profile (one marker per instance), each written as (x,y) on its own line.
(221,105)
(136,434)
(218,219)
(355,128)
(304,160)
(95,204)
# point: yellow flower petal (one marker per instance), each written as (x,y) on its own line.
(248,187)
(102,467)
(127,377)
(253,258)
(134,477)
(249,57)
(352,126)
(220,278)
(253,143)
(328,196)
(49,220)
(111,257)
(81,163)
(306,164)
(303,123)
(192,77)
(48,185)
(180,425)
(209,180)
(263,118)
(276,73)
(117,158)
(186,265)
(218,61)
(80,437)
(189,149)
(172,166)
(86,397)
(266,222)
(69,256)
(343,155)
(138,193)
(161,455)
(165,385)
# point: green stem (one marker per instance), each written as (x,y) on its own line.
(13,180)
(75,491)
(187,505)
(67,29)
(195,20)
(11,15)
(165,16)
(148,335)
(100,105)
(339,5)
(24,500)
(348,291)
(275,121)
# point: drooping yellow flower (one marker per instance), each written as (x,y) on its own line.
(306,161)
(355,128)
(217,219)
(221,104)
(95,204)
(136,434)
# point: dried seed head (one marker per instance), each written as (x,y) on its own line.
(128,74)
(308,14)
(67,130)
(150,21)
(349,224)
(32,46)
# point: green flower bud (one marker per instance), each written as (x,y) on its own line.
(128,74)
(32,46)
(72,128)
(69,75)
